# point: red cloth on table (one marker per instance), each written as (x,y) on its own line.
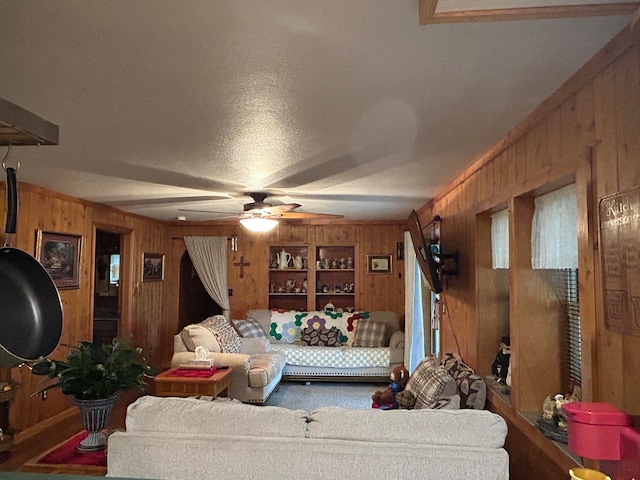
(185,372)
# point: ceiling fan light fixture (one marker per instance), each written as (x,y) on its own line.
(259,224)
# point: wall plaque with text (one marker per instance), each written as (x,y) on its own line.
(619,219)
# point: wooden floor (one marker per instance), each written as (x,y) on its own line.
(26,450)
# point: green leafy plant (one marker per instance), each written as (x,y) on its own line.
(93,372)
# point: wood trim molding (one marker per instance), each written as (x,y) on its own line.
(429,15)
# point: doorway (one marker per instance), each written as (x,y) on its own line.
(195,303)
(107,298)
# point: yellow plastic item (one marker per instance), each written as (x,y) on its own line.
(587,474)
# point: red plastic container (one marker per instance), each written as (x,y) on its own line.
(594,429)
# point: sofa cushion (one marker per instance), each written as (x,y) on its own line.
(438,384)
(227,337)
(407,398)
(472,428)
(427,383)
(197,335)
(285,327)
(471,387)
(265,367)
(223,417)
(249,328)
(370,333)
(345,322)
(321,337)
(446,403)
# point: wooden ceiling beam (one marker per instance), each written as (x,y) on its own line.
(429,15)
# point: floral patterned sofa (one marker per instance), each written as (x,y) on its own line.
(322,345)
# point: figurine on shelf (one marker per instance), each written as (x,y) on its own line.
(305,285)
(500,365)
(290,285)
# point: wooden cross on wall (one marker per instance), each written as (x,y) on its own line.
(241,264)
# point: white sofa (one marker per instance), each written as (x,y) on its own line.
(337,363)
(186,438)
(256,370)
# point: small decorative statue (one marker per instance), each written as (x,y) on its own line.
(386,399)
(500,366)
(552,411)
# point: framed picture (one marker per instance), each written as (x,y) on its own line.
(152,267)
(379,263)
(59,254)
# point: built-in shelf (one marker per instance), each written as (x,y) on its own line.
(313,277)
(502,393)
(500,389)
(532,418)
(288,270)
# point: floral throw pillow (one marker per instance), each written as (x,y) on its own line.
(285,327)
(321,337)
(227,337)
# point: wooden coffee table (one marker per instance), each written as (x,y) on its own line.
(171,384)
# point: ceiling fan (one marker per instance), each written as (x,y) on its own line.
(262,216)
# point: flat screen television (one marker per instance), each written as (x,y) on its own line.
(428,264)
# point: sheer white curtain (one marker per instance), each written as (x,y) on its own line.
(554,230)
(209,257)
(500,239)
(413,311)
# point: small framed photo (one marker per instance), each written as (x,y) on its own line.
(152,267)
(59,254)
(379,263)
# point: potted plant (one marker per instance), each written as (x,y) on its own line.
(94,374)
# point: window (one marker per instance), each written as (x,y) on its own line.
(554,231)
(554,246)
(566,286)
(500,239)
(114,269)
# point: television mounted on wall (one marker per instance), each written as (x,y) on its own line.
(424,254)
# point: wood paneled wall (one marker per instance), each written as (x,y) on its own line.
(374,292)
(143,311)
(587,131)
(150,309)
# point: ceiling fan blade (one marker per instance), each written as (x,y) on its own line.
(279,209)
(165,201)
(294,215)
(212,212)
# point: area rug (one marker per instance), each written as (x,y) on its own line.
(309,396)
(66,454)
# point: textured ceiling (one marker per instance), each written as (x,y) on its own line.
(346,107)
